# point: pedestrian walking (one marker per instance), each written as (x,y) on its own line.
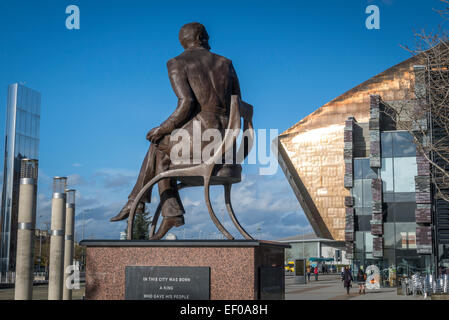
(361,280)
(347,279)
(316,273)
(308,273)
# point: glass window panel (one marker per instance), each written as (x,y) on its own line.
(358,168)
(33,125)
(367,199)
(366,211)
(37,149)
(389,235)
(403,145)
(405,235)
(38,127)
(389,210)
(357,193)
(24,94)
(386,141)
(21,121)
(19,96)
(404,211)
(26,147)
(359,241)
(412,240)
(18,144)
(388,197)
(405,170)
(363,222)
(386,173)
(368,172)
(404,197)
(35,102)
(368,242)
(28,124)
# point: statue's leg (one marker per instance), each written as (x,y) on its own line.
(170,205)
(145,175)
(168,189)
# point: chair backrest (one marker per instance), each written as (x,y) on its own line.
(238,110)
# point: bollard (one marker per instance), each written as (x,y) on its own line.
(68,251)
(25,229)
(56,272)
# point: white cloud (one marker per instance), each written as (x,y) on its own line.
(265,206)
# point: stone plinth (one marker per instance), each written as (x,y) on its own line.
(239,269)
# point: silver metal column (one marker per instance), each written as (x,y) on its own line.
(26,226)
(68,251)
(56,275)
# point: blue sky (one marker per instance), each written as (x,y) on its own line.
(105,85)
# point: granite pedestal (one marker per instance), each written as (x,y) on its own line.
(213,269)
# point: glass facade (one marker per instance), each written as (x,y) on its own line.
(21,141)
(304,250)
(398,171)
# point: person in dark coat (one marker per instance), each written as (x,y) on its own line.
(361,279)
(347,279)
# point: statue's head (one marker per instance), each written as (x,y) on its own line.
(194,34)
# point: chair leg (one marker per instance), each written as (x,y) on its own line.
(155,219)
(211,211)
(227,190)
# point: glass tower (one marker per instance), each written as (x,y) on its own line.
(21,141)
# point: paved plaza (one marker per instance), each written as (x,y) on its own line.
(330,287)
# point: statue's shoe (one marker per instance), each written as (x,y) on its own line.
(167,224)
(124,213)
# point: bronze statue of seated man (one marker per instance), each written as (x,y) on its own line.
(203,82)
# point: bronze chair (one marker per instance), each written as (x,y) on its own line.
(210,172)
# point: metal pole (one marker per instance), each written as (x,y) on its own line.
(26,226)
(56,275)
(68,250)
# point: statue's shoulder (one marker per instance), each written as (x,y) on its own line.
(191,57)
(220,58)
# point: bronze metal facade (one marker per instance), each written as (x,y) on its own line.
(311,153)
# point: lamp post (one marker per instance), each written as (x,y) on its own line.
(68,251)
(25,230)
(40,245)
(56,276)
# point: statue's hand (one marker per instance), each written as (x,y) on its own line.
(155,134)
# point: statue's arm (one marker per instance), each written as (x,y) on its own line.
(186,98)
(186,101)
(235,82)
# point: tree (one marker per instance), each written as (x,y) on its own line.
(142,223)
(428,119)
